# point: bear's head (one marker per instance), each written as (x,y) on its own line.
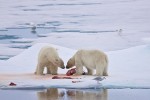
(70,63)
(59,62)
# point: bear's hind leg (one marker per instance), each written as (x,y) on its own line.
(99,70)
(105,73)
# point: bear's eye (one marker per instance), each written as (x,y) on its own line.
(56,59)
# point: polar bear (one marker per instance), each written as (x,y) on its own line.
(91,59)
(48,57)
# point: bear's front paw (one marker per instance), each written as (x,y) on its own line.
(78,73)
(54,74)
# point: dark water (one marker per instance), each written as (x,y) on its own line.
(70,94)
(9,35)
(12,35)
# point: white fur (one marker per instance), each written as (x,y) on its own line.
(48,57)
(91,59)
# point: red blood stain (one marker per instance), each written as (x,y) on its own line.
(58,77)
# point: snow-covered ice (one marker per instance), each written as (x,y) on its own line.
(128,68)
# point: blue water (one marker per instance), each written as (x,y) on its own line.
(67,94)
(11,35)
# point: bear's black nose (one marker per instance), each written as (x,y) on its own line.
(63,67)
(67,67)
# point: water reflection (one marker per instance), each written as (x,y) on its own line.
(50,94)
(61,94)
(67,94)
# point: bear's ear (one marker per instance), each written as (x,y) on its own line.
(71,59)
